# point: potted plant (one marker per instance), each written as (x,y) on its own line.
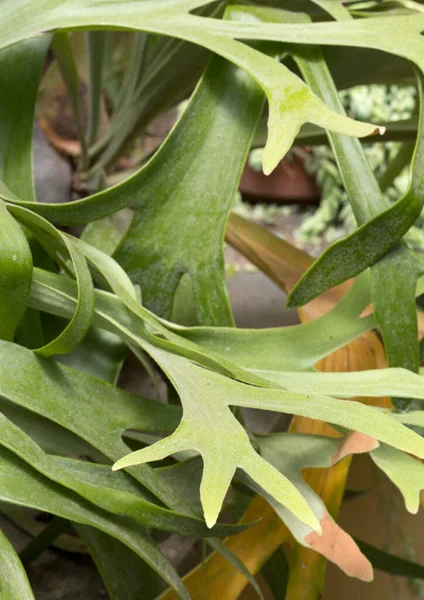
(121,468)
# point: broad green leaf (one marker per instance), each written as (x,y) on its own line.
(296,347)
(51,437)
(15,274)
(83,408)
(13,579)
(404,471)
(184,199)
(375,382)
(22,485)
(81,319)
(414,417)
(123,572)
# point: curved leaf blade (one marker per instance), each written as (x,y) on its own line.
(15,274)
(82,317)
(13,579)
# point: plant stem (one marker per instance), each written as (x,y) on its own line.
(44,540)
(63,52)
(396,166)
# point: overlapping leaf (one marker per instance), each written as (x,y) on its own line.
(187,437)
(400,266)
(291,104)
(22,485)
(206,397)
(84,412)
(80,322)
(96,483)
(179,195)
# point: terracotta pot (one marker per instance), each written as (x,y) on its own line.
(289,183)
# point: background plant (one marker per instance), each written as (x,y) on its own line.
(116,288)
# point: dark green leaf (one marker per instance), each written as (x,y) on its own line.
(276,573)
(394,565)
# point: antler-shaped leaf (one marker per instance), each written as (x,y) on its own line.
(209,427)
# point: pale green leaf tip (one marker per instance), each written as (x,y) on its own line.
(269,162)
(126,461)
(413,504)
(413,510)
(211,509)
(275,150)
(210,520)
(117,466)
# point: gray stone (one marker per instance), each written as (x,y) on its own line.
(258,303)
(52,173)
